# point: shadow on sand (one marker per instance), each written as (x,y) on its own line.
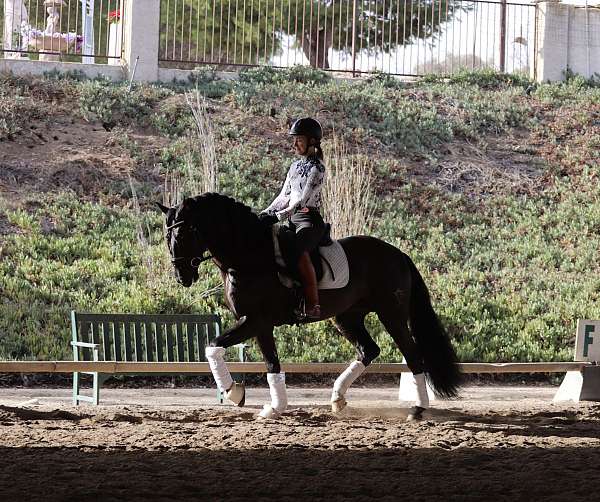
(50,474)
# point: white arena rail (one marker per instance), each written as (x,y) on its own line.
(115,367)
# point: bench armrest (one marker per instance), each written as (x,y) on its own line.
(86,345)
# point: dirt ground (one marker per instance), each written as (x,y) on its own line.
(494,443)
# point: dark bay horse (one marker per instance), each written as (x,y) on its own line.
(383,280)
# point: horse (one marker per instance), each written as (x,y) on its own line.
(382,279)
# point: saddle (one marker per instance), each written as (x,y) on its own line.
(329,259)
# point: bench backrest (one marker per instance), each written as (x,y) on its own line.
(141,337)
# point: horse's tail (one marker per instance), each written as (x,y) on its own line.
(432,339)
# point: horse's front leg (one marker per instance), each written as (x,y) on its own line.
(275,377)
(215,355)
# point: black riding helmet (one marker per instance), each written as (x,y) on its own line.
(307,127)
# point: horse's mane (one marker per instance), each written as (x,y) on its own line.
(245,229)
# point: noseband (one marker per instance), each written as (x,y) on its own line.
(196,261)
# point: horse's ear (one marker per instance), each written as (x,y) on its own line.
(163,208)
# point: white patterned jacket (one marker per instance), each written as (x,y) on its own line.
(302,188)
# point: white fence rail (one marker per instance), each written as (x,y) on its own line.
(115,367)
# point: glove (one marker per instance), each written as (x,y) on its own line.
(267,218)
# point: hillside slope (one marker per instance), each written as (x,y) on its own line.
(489,182)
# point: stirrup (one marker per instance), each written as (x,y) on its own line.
(313,314)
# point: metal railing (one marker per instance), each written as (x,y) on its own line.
(399,37)
(89,31)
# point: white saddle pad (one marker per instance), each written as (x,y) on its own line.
(336,272)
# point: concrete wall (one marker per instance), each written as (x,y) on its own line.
(172,74)
(28,67)
(568,37)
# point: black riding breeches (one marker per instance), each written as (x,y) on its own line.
(309,227)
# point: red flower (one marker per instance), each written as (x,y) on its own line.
(114,16)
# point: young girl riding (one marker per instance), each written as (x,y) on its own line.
(299,205)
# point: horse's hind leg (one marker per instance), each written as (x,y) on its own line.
(352,326)
(393,314)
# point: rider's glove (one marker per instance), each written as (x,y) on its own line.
(267,218)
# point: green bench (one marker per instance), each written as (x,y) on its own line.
(140,338)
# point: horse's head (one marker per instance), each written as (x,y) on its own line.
(184,242)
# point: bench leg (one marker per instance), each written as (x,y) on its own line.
(75,388)
(242,357)
(96,389)
(99,379)
(242,353)
(235,376)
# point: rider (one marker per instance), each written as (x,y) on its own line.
(299,202)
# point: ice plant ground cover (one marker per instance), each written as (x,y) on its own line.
(488,181)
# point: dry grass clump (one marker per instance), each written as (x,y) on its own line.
(199,172)
(348,198)
(469,170)
(202,143)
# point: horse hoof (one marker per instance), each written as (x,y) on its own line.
(415,414)
(338,405)
(268,412)
(237,394)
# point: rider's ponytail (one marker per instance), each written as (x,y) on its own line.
(319,150)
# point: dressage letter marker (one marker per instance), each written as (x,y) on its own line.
(583,385)
(587,338)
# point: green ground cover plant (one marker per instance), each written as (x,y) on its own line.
(509,271)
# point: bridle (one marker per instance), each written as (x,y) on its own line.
(195,261)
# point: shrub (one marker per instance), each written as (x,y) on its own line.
(16,112)
(485,78)
(269,75)
(113,104)
(173,117)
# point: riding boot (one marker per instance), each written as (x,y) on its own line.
(312,309)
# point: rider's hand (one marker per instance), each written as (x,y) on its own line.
(267,218)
